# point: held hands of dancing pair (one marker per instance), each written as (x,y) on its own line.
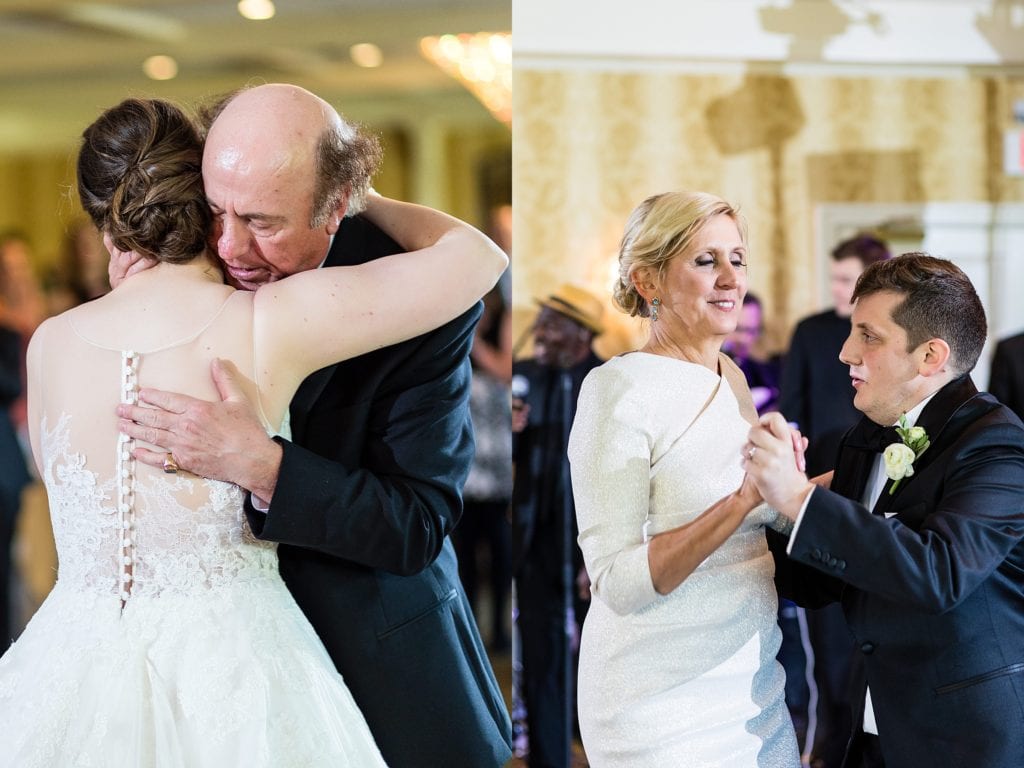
(773,458)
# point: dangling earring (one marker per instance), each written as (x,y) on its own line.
(655,303)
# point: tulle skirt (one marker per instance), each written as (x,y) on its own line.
(233,676)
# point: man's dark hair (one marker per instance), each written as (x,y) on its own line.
(865,247)
(939,301)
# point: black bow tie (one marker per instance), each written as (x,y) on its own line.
(869,436)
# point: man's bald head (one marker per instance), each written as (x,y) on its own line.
(281,169)
(287,128)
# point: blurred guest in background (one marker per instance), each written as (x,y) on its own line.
(13,470)
(22,306)
(741,345)
(81,273)
(1006,380)
(488,490)
(20,313)
(816,391)
(546,558)
(817,396)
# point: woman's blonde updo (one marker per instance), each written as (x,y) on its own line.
(140,180)
(657,231)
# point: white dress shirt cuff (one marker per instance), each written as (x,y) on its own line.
(259,504)
(799,519)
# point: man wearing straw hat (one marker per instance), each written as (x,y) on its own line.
(546,559)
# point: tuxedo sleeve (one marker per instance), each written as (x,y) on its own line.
(954,525)
(805,586)
(394,510)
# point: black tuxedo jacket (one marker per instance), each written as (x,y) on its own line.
(933,594)
(539,456)
(1006,382)
(368,492)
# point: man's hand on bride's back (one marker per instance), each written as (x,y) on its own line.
(221,440)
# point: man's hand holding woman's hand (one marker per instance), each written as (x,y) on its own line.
(774,460)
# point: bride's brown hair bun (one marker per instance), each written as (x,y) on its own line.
(140,180)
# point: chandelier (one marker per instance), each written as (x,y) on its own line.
(482,62)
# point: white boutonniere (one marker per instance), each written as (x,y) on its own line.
(899,458)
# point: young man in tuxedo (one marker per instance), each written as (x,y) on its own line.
(922,544)
(364,496)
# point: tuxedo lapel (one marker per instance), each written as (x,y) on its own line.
(940,414)
(935,420)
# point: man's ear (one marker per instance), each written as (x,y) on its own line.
(934,357)
(338,213)
(645,281)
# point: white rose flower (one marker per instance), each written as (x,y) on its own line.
(899,461)
(915,435)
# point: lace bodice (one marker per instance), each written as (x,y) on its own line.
(174,543)
(122,527)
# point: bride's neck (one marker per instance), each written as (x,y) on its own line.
(205,268)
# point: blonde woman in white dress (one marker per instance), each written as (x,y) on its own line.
(170,639)
(677,658)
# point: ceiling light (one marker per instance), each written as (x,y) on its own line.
(482,62)
(366,55)
(160,68)
(256,10)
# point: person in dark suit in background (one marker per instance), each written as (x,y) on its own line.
(815,395)
(13,469)
(364,496)
(21,311)
(545,388)
(815,384)
(488,490)
(923,544)
(1006,380)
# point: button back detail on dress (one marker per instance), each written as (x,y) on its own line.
(126,479)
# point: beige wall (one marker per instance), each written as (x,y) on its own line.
(590,144)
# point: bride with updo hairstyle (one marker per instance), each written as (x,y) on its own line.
(677,655)
(170,638)
(140,180)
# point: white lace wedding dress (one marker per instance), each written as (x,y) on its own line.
(169,640)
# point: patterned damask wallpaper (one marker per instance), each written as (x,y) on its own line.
(588,145)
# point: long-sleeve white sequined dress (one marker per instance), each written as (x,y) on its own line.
(689,678)
(170,639)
